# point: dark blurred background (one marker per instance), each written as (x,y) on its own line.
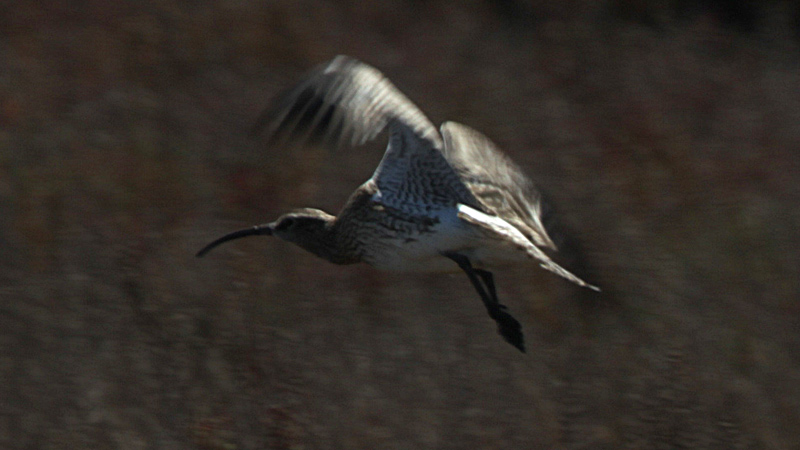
(666,132)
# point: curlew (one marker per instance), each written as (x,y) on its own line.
(438,199)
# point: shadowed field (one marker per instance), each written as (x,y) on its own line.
(667,138)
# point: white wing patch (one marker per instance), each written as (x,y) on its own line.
(502,230)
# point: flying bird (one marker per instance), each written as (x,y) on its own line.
(439,199)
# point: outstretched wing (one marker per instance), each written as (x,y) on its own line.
(342,101)
(497,182)
(346,101)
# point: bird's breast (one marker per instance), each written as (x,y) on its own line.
(406,248)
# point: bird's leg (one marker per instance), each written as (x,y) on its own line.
(507,326)
(488,281)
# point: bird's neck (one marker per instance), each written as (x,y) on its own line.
(332,244)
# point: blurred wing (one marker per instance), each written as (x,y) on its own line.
(342,101)
(497,182)
(346,101)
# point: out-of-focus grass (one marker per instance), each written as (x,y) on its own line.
(668,142)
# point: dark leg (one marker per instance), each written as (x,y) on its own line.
(488,281)
(507,326)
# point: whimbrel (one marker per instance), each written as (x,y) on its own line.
(438,199)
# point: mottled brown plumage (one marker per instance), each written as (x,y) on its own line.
(437,197)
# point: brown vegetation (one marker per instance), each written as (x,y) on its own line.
(668,139)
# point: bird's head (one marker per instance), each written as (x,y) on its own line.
(307,228)
(301,226)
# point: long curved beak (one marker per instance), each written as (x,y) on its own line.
(258,230)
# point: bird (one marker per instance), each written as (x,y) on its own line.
(439,200)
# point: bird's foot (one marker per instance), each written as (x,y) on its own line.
(510,329)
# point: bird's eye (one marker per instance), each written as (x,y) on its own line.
(285,224)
